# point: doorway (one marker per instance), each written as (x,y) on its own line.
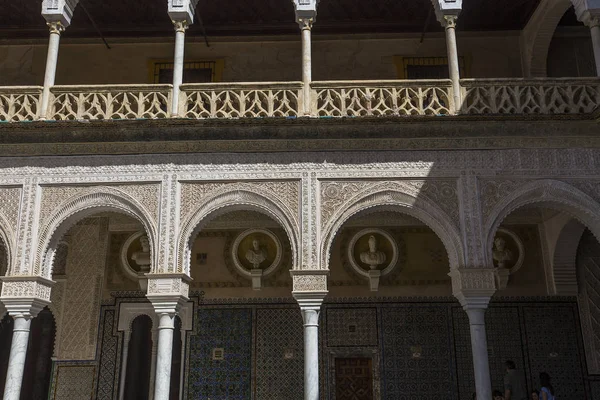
(354,378)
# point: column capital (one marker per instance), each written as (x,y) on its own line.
(55,27)
(447,11)
(473,287)
(182,10)
(59,11)
(588,12)
(180,26)
(167,292)
(25,295)
(306,10)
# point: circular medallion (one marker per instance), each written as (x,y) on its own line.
(372,249)
(256,249)
(135,255)
(508,251)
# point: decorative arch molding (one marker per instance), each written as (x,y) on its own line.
(242,197)
(383,197)
(537,36)
(564,265)
(7,239)
(76,208)
(548,193)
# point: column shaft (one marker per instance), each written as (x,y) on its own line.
(306,27)
(595,31)
(178,58)
(18,353)
(164,357)
(311,353)
(51,61)
(481,366)
(453,64)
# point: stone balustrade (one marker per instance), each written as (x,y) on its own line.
(391,98)
(530,96)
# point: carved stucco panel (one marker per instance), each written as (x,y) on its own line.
(54,196)
(194,193)
(493,190)
(336,194)
(310,283)
(10,201)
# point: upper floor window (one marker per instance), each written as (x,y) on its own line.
(193,71)
(425,67)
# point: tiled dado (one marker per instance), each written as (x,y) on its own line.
(421,349)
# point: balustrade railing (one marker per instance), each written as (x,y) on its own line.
(382,98)
(241,100)
(104,102)
(19,103)
(284,99)
(530,96)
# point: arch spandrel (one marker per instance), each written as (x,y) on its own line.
(395,196)
(86,203)
(547,193)
(224,198)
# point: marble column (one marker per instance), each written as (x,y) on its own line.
(310,308)
(453,64)
(306,28)
(481,366)
(178,61)
(18,351)
(164,358)
(56,28)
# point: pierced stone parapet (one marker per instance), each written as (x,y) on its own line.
(531,96)
(19,103)
(382,98)
(233,100)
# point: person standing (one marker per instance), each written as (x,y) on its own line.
(514,385)
(546,391)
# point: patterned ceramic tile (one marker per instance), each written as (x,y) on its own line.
(229,378)
(109,357)
(553,348)
(279,354)
(416,353)
(350,327)
(75,382)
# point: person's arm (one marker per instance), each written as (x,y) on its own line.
(507,394)
(544,395)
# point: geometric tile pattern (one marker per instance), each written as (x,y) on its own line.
(279,354)
(229,378)
(109,356)
(416,353)
(503,329)
(553,347)
(352,327)
(463,355)
(75,382)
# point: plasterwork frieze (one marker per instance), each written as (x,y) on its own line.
(54,196)
(335,194)
(194,193)
(10,201)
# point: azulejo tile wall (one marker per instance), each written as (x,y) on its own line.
(416,347)
(279,354)
(229,329)
(420,349)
